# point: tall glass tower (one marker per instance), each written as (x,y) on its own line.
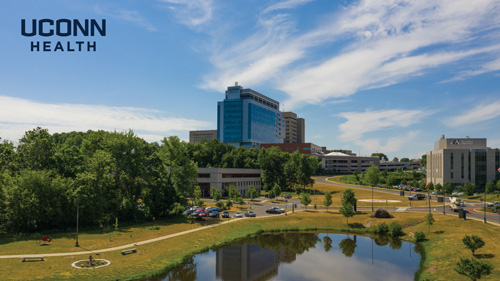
(247,118)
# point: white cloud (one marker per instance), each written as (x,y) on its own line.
(287,4)
(359,123)
(191,13)
(390,41)
(128,16)
(392,144)
(20,115)
(479,113)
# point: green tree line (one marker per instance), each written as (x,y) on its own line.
(118,175)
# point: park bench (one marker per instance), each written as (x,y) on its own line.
(32,258)
(134,250)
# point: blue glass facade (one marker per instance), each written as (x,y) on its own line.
(247,118)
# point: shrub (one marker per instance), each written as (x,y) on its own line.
(395,229)
(382,228)
(419,236)
(383,214)
(154,227)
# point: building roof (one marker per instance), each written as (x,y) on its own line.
(337,154)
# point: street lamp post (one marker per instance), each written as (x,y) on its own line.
(484,205)
(77,213)
(372,198)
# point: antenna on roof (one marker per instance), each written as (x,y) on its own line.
(235,83)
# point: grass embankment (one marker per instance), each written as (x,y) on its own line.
(443,248)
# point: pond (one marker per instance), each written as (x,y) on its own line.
(303,256)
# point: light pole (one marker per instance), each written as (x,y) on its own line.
(372,198)
(484,205)
(77,213)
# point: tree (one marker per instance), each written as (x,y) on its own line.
(347,210)
(473,269)
(371,175)
(215,194)
(305,200)
(395,159)
(473,242)
(490,187)
(423,160)
(252,192)
(498,186)
(35,149)
(277,190)
(348,196)
(328,200)
(469,188)
(405,160)
(381,156)
(240,202)
(298,189)
(439,187)
(429,219)
(447,188)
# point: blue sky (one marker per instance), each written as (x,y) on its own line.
(369,76)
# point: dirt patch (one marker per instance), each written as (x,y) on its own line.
(368,224)
(431,269)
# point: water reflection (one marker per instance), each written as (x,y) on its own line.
(302,256)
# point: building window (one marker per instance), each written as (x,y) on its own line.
(451,160)
(451,176)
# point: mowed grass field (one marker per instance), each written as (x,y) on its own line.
(443,248)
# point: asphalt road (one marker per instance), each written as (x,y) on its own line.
(469,205)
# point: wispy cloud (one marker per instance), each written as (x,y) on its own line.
(127,15)
(191,13)
(359,123)
(477,114)
(392,144)
(19,115)
(389,42)
(287,4)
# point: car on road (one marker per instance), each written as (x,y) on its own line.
(225,214)
(238,215)
(417,190)
(274,210)
(214,214)
(250,214)
(496,203)
(416,197)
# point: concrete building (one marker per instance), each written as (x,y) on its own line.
(304,148)
(393,166)
(196,136)
(294,128)
(457,160)
(338,162)
(247,118)
(223,178)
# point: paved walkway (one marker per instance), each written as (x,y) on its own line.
(132,245)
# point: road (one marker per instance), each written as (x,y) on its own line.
(470,206)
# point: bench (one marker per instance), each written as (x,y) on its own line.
(129,251)
(32,258)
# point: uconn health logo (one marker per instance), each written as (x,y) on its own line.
(63,28)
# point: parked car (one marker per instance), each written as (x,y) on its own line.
(214,214)
(274,210)
(201,209)
(203,214)
(496,203)
(208,209)
(225,214)
(187,212)
(194,208)
(216,209)
(250,214)
(238,215)
(417,190)
(460,194)
(416,197)
(195,213)
(287,196)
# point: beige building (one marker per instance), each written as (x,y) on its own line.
(294,128)
(196,136)
(457,160)
(223,178)
(341,163)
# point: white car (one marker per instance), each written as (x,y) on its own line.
(496,203)
(238,215)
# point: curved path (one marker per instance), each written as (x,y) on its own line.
(132,245)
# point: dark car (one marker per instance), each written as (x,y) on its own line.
(216,209)
(187,212)
(195,213)
(250,214)
(273,210)
(225,214)
(214,214)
